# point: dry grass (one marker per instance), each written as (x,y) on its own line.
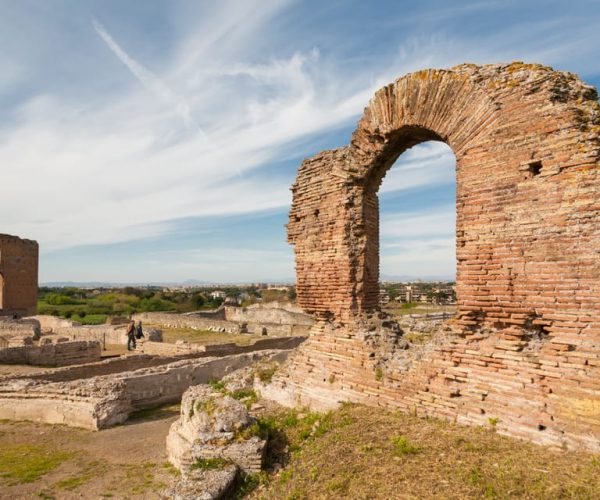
(395,309)
(203,337)
(360,452)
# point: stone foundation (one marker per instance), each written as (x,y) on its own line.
(105,334)
(273,319)
(106,400)
(52,352)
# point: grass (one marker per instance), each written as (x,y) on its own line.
(265,374)
(402,446)
(73,482)
(26,463)
(396,309)
(203,337)
(90,319)
(210,463)
(361,452)
(247,396)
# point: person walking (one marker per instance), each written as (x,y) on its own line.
(131,336)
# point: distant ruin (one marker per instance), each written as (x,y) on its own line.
(18,276)
(524,348)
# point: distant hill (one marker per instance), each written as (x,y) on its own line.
(114,284)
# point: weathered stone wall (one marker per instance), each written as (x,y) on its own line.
(270,313)
(182,348)
(105,334)
(103,401)
(18,276)
(52,352)
(268,320)
(525,344)
(19,328)
(175,320)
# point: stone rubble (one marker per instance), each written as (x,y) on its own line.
(214,425)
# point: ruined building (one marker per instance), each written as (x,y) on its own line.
(523,352)
(18,276)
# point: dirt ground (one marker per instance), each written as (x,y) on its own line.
(128,461)
(21,369)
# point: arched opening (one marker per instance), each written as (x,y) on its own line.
(403,156)
(417,231)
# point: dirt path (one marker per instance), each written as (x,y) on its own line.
(127,461)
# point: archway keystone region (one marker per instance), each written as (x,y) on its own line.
(524,347)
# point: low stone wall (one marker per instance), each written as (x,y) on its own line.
(174,320)
(52,352)
(105,334)
(273,320)
(182,348)
(95,369)
(51,324)
(269,313)
(103,401)
(19,328)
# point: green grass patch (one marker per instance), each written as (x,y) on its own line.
(90,319)
(218,385)
(248,396)
(402,446)
(247,483)
(210,463)
(171,469)
(265,374)
(73,482)
(208,406)
(27,463)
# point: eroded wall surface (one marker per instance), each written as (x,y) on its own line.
(18,276)
(523,351)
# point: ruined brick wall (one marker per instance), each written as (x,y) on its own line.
(524,349)
(526,145)
(18,276)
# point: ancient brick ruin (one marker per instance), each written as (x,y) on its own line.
(18,276)
(523,352)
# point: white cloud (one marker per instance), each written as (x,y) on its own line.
(418,244)
(409,224)
(187,134)
(427,164)
(422,258)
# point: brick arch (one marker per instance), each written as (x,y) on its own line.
(524,349)
(526,143)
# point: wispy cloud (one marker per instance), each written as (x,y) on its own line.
(147,78)
(187,117)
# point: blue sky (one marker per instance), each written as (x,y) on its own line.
(157,140)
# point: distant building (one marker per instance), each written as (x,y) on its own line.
(218,294)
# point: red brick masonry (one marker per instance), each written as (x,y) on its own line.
(523,353)
(18,276)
